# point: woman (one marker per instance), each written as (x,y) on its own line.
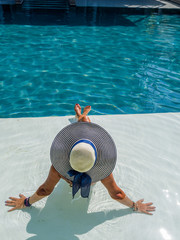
(82,153)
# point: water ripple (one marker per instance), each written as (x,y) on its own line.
(45,70)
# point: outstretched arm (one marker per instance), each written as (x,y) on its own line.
(117,194)
(44,190)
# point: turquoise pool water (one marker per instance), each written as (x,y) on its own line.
(128,66)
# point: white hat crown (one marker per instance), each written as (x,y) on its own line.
(83,155)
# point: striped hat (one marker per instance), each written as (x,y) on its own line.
(83,152)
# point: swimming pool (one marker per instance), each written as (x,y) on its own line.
(117,63)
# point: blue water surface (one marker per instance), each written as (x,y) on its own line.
(128,66)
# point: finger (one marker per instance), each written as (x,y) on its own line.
(12,209)
(148,204)
(151,209)
(147,212)
(9,201)
(10,204)
(142,200)
(21,195)
(13,198)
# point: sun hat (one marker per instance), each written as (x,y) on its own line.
(83,152)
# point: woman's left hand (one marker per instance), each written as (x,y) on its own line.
(144,207)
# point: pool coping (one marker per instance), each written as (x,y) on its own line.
(128,10)
(144,4)
(162,7)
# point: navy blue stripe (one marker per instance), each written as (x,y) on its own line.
(89,142)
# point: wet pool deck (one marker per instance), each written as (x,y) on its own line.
(147,166)
(128,4)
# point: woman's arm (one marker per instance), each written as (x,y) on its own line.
(44,190)
(117,194)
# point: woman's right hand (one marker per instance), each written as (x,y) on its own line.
(144,207)
(16,203)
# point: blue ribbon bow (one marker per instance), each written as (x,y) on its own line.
(81,181)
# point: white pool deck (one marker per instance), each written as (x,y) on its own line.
(148,167)
(128,4)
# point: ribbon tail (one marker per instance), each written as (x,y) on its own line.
(81,181)
(85,185)
(76,185)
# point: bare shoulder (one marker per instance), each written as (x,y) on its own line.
(109,179)
(109,182)
(53,170)
(53,174)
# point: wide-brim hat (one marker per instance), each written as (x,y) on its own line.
(68,136)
